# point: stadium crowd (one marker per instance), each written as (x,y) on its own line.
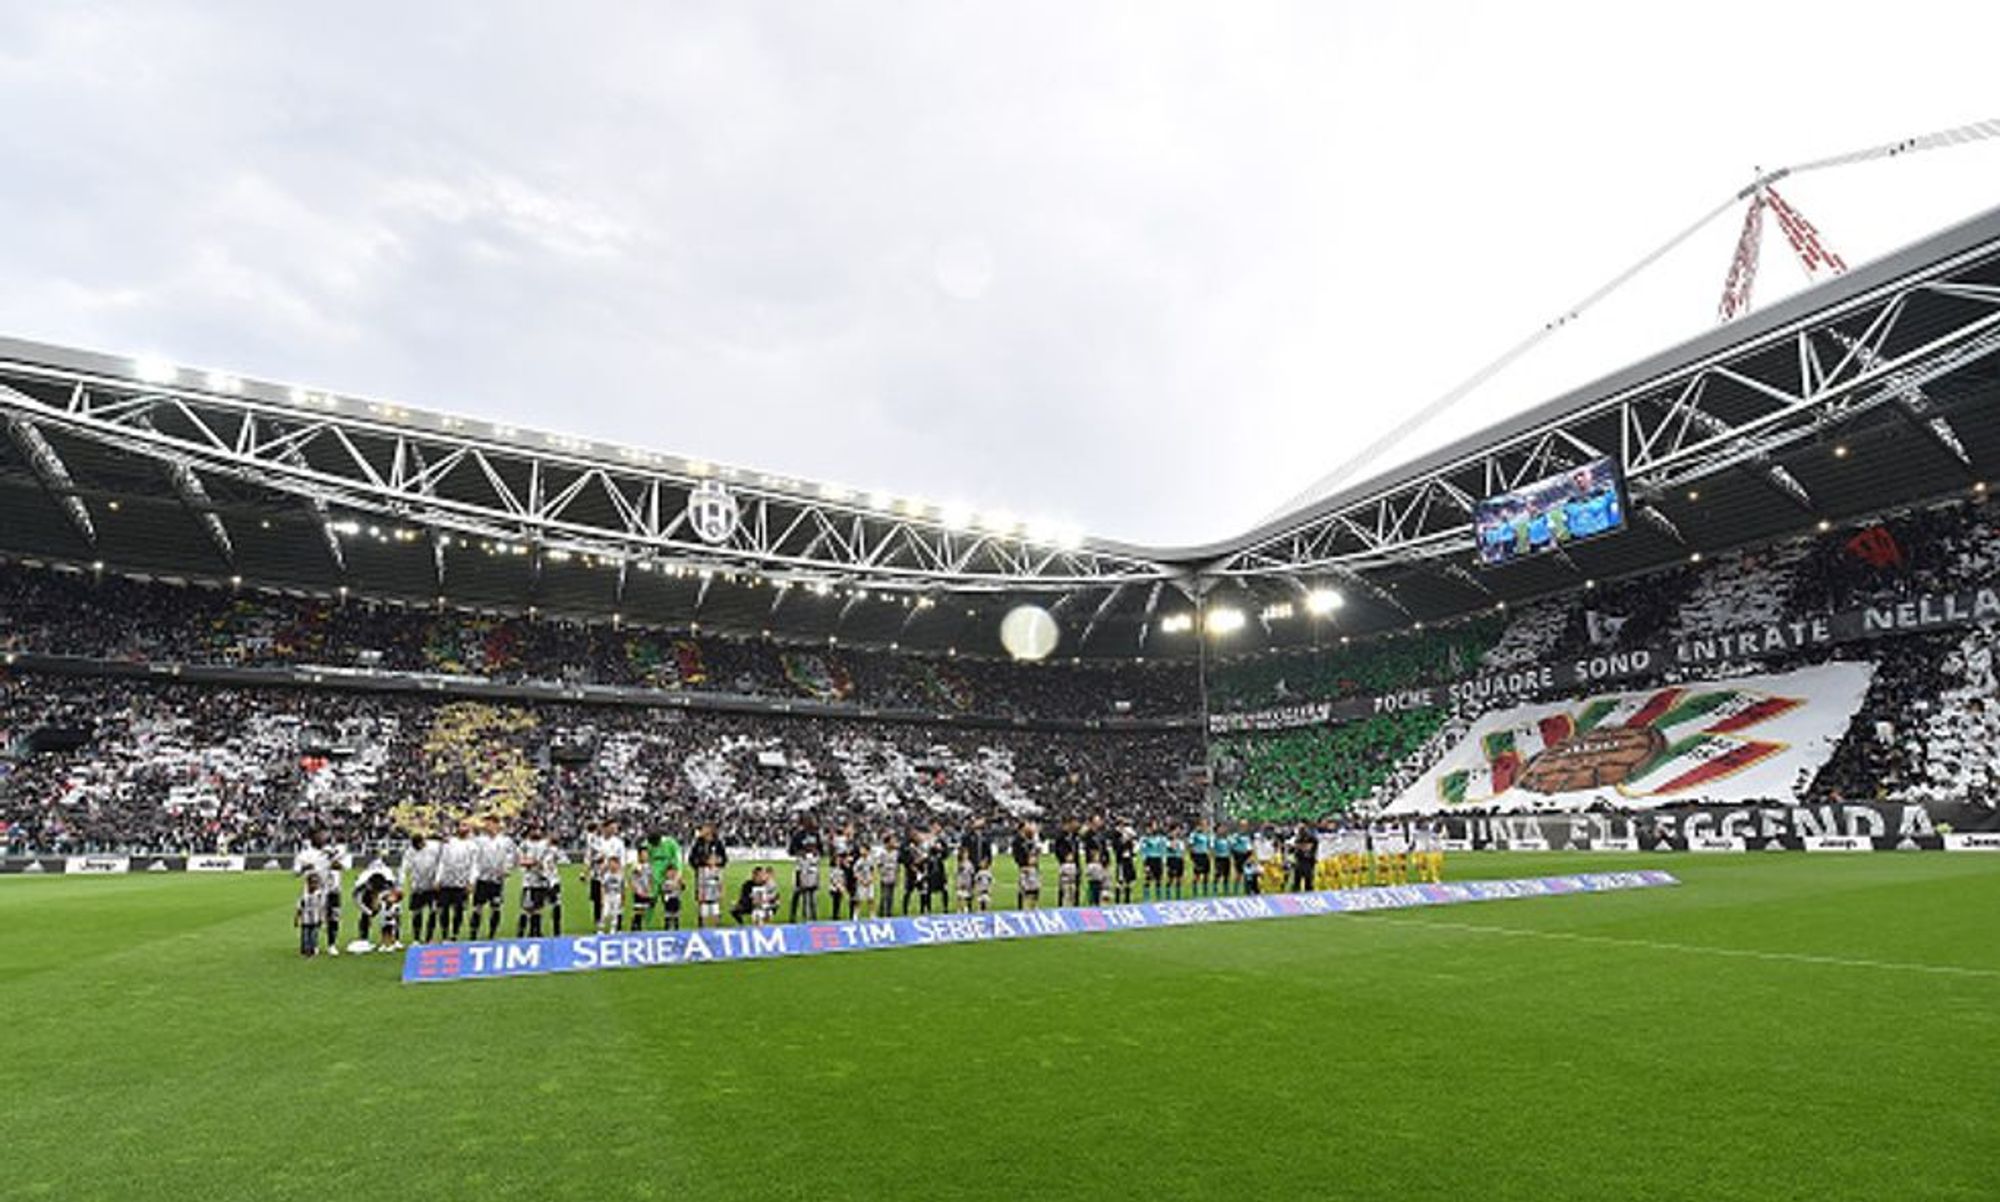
(185,767)
(209,768)
(1928,729)
(56,612)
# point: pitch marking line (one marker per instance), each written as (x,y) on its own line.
(1949,970)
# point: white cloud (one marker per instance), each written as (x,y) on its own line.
(1149,267)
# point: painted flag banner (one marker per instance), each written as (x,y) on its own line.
(660,949)
(1746,739)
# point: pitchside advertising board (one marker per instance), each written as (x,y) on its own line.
(1831,827)
(662,949)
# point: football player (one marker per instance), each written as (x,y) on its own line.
(420,884)
(380,901)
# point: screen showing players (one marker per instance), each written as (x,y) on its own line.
(1581,503)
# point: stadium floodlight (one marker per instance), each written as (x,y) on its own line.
(155,370)
(1225,620)
(881,500)
(1322,601)
(955,516)
(1000,522)
(1176,623)
(1277,611)
(222,381)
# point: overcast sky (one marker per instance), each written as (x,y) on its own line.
(1150,268)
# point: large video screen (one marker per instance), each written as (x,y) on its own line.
(1581,503)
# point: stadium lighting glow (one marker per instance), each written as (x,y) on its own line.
(1277,612)
(1000,522)
(955,516)
(1323,601)
(1840,452)
(1224,621)
(882,501)
(1824,525)
(222,381)
(1176,623)
(155,370)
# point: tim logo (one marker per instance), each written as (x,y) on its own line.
(1288,903)
(1093,920)
(824,939)
(439,962)
(712,512)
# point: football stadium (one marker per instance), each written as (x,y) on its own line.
(406,801)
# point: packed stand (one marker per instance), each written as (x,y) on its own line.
(115,618)
(99,764)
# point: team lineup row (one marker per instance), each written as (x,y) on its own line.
(451,883)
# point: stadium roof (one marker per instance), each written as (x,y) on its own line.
(1869,392)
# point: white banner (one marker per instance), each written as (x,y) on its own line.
(1838,843)
(97,865)
(1976,841)
(215,864)
(1750,739)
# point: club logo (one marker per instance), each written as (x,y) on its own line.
(1592,759)
(712,512)
(1667,743)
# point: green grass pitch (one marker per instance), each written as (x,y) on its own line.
(1780,1026)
